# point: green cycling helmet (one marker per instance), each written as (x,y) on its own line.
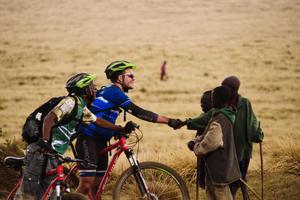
(117,66)
(76,83)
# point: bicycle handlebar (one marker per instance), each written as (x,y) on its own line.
(66,159)
(129,128)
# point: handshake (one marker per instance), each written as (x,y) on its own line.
(176,123)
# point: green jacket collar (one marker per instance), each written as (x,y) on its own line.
(228,112)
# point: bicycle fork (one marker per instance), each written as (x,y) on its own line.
(60,187)
(143,188)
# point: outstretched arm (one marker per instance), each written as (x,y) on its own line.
(145,114)
(152,117)
(200,122)
(106,124)
(89,117)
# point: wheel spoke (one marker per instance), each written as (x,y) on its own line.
(163,183)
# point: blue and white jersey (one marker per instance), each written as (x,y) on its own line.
(107,106)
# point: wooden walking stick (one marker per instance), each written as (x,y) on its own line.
(261,176)
(197,178)
(244,191)
(251,189)
(261,170)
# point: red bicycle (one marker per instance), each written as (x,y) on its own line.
(145,180)
(58,188)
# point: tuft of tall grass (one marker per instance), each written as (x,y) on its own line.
(286,154)
(185,164)
(8,176)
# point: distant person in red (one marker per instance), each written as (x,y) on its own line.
(163,71)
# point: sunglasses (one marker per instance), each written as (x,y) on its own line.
(130,75)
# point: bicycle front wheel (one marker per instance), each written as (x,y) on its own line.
(162,182)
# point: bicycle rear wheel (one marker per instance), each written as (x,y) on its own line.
(162,182)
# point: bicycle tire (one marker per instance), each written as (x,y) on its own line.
(162,181)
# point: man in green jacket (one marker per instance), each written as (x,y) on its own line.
(246,130)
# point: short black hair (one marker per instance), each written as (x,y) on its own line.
(206,101)
(221,96)
(115,75)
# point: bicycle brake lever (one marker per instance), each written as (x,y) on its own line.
(85,163)
(91,165)
(68,159)
(136,125)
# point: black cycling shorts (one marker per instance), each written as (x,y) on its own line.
(88,149)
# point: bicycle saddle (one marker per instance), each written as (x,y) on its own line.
(15,162)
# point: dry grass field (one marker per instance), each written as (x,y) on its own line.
(43,42)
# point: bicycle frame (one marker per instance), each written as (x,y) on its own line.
(14,190)
(121,147)
(56,182)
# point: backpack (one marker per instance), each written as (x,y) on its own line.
(32,128)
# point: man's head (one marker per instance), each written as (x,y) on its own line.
(221,96)
(232,82)
(120,72)
(205,101)
(82,84)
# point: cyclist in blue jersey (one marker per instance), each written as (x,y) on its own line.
(107,105)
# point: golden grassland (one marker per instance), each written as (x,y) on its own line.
(42,43)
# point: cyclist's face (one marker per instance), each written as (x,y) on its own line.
(128,79)
(91,90)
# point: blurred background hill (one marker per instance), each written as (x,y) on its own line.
(42,43)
